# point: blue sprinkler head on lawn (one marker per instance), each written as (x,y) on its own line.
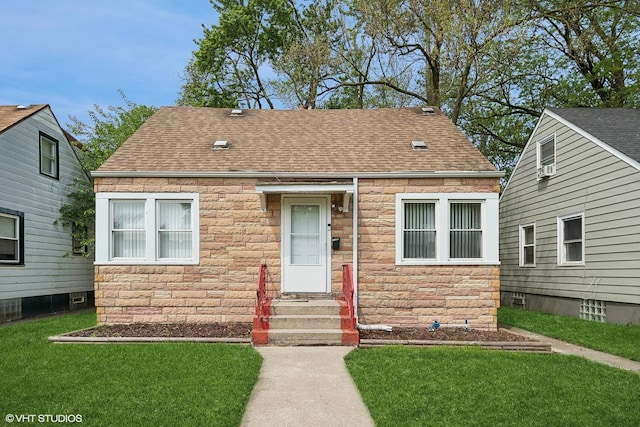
(435,325)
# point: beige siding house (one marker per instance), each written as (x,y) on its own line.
(570,217)
(192,205)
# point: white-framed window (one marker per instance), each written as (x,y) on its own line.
(547,151)
(546,156)
(147,228)
(571,240)
(528,245)
(11,237)
(446,228)
(49,165)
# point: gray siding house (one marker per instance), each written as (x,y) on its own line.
(570,217)
(37,167)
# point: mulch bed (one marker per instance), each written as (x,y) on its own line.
(243,330)
(442,334)
(171,330)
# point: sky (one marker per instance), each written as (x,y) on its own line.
(74,54)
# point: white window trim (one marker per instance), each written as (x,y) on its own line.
(521,243)
(103,226)
(560,247)
(541,141)
(489,227)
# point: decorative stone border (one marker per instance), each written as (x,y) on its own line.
(61,339)
(527,346)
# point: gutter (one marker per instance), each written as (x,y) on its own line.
(333,175)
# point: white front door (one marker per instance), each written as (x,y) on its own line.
(305,252)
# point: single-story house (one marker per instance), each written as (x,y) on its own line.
(38,166)
(192,205)
(570,217)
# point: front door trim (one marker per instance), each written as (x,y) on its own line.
(288,276)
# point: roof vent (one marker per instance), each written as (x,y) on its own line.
(428,111)
(21,107)
(220,145)
(418,145)
(236,112)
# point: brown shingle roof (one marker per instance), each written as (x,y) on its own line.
(180,139)
(11,114)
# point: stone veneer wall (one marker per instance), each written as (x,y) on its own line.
(235,238)
(418,295)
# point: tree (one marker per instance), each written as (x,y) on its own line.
(229,65)
(96,142)
(492,66)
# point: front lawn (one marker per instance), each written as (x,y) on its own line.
(611,338)
(473,387)
(122,384)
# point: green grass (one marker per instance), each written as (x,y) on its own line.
(122,384)
(611,338)
(473,387)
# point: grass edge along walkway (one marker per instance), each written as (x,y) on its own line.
(620,340)
(473,387)
(129,384)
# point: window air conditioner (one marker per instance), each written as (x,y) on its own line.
(546,170)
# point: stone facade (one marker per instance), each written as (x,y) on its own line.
(417,295)
(236,237)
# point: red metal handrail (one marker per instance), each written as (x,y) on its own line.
(348,291)
(263,303)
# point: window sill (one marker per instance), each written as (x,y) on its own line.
(145,262)
(452,262)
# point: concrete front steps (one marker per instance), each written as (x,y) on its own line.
(300,321)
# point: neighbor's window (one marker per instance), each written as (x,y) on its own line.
(446,228)
(571,240)
(547,151)
(76,242)
(528,245)
(156,228)
(11,237)
(48,156)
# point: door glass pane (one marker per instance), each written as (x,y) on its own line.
(305,234)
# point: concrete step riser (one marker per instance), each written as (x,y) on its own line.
(309,337)
(323,308)
(304,322)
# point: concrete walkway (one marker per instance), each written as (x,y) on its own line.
(566,348)
(305,386)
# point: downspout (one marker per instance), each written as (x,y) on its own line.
(355,266)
